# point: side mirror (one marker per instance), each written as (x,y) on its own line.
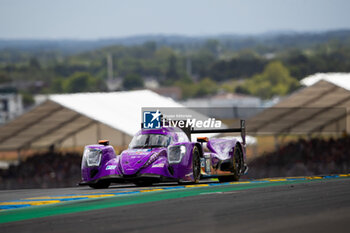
(202,139)
(103,142)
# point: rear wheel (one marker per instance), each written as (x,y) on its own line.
(102,184)
(237,161)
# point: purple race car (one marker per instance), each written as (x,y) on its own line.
(165,154)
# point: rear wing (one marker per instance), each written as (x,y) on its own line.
(241,130)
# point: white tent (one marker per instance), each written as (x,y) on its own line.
(338,79)
(71,120)
(321,107)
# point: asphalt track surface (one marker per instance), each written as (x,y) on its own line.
(301,205)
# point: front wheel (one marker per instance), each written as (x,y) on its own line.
(237,161)
(196,165)
(196,168)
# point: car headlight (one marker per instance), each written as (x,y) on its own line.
(92,157)
(175,153)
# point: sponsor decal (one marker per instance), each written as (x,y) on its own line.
(144,150)
(137,151)
(111,167)
(202,162)
(158,165)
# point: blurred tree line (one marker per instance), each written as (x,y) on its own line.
(262,70)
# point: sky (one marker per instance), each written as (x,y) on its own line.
(97,19)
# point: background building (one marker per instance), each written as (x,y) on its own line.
(10,104)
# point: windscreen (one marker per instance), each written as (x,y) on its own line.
(149,141)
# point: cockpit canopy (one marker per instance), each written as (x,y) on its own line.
(150,141)
(158,138)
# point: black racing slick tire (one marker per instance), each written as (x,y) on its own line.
(237,161)
(102,184)
(196,165)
